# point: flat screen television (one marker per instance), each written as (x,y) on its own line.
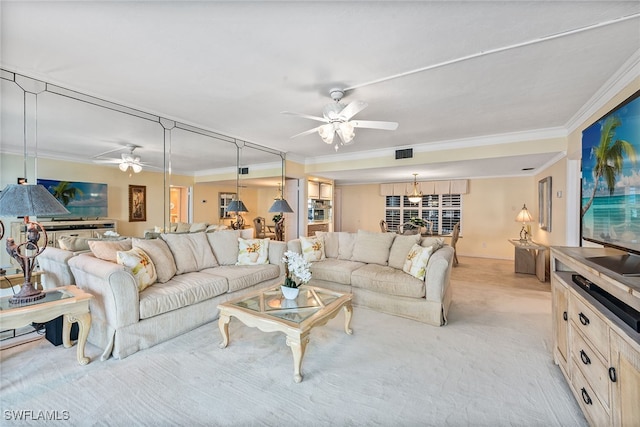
(84,200)
(610,208)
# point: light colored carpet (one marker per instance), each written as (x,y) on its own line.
(490,366)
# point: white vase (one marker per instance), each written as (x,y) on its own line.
(289,293)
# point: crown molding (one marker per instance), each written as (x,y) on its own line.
(629,71)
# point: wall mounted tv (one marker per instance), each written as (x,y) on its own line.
(610,208)
(84,200)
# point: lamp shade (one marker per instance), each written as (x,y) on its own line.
(28,200)
(524,215)
(280,205)
(237,206)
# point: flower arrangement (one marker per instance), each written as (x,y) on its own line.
(296,269)
(418,221)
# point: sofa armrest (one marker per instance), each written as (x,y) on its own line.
(115,291)
(54,264)
(438,273)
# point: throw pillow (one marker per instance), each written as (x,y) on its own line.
(140,266)
(312,248)
(73,243)
(106,249)
(225,246)
(191,251)
(182,227)
(372,248)
(253,251)
(160,255)
(416,262)
(331,243)
(400,248)
(436,242)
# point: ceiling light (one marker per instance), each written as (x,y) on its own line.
(326,133)
(416,196)
(280,204)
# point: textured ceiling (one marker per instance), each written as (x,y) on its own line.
(463,71)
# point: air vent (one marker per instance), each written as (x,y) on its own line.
(407,153)
(243,171)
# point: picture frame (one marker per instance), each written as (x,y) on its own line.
(137,203)
(544,204)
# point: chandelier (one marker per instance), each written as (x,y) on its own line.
(416,195)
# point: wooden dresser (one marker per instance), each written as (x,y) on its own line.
(597,352)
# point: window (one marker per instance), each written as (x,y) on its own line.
(444,211)
(225,199)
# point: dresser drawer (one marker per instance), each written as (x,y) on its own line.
(593,369)
(593,409)
(590,325)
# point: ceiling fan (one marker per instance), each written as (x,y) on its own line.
(337,119)
(126,161)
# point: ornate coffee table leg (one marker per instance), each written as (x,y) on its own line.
(223,324)
(298,345)
(84,324)
(348,313)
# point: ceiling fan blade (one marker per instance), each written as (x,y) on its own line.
(306,116)
(352,109)
(111,161)
(307,132)
(372,124)
(109,152)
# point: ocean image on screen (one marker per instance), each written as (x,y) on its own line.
(610,208)
(85,200)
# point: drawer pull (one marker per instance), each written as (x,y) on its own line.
(585,397)
(584,357)
(564,316)
(612,375)
(583,319)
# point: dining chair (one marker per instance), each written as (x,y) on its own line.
(383,226)
(260,226)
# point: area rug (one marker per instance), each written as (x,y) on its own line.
(491,365)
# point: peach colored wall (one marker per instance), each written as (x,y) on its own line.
(488,213)
(558,234)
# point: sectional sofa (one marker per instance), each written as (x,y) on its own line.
(406,276)
(147,291)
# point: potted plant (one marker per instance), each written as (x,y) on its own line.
(297,273)
(276,218)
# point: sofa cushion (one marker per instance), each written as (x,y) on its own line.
(312,248)
(191,251)
(139,264)
(244,276)
(73,243)
(107,249)
(334,270)
(160,254)
(416,262)
(198,227)
(331,243)
(372,247)
(182,227)
(346,241)
(400,248)
(387,280)
(225,246)
(181,291)
(253,251)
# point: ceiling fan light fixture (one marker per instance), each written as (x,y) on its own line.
(123,166)
(416,195)
(346,132)
(326,132)
(136,168)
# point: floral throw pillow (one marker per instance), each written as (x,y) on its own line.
(416,262)
(312,248)
(140,265)
(253,251)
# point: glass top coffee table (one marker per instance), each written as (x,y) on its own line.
(269,311)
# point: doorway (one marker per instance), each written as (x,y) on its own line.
(179,204)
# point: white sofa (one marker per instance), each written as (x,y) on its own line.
(370,265)
(196,272)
